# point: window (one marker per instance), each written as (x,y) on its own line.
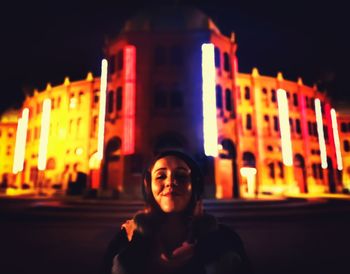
(275,123)
(79,131)
(295,99)
(176,57)
(320,171)
(111,64)
(8,150)
(325,132)
(72,101)
(247,93)
(176,99)
(227,65)
(218,96)
(314,171)
(58,105)
(96,97)
(217,57)
(266,117)
(310,128)
(110,101)
(94,125)
(271,167)
(314,125)
(269,148)
(346,146)
(160,100)
(159,56)
(281,168)
(343,127)
(297,126)
(120,60)
(264,91)
(119,99)
(228,99)
(80,97)
(249,122)
(273,95)
(291,124)
(307,102)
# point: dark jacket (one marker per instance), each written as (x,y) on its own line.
(217,249)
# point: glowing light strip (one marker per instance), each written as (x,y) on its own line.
(17,147)
(336,139)
(210,128)
(320,133)
(44,134)
(283,111)
(23,138)
(128,146)
(102,111)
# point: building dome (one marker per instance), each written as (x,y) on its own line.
(170,18)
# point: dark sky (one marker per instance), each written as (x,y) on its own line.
(45,42)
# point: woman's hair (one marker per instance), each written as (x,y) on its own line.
(196,181)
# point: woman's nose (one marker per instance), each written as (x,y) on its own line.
(171,181)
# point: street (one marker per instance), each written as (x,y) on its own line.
(282,236)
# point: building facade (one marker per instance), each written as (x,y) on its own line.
(155,101)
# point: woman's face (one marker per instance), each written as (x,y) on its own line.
(171,184)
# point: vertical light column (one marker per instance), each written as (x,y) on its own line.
(283,114)
(320,133)
(44,134)
(128,144)
(210,128)
(21,138)
(102,110)
(336,139)
(15,167)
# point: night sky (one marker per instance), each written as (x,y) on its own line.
(45,42)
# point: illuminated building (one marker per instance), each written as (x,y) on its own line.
(173,82)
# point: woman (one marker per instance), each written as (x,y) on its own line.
(173,234)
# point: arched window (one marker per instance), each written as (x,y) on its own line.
(228,99)
(110,101)
(249,122)
(217,57)
(275,123)
(273,95)
(218,96)
(227,65)
(297,126)
(248,159)
(281,169)
(271,167)
(346,146)
(247,93)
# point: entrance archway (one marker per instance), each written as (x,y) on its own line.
(300,172)
(331,181)
(227,176)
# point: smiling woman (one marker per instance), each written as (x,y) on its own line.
(173,234)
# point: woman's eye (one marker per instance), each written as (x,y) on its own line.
(182,177)
(160,176)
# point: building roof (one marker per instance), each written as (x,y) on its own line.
(170,18)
